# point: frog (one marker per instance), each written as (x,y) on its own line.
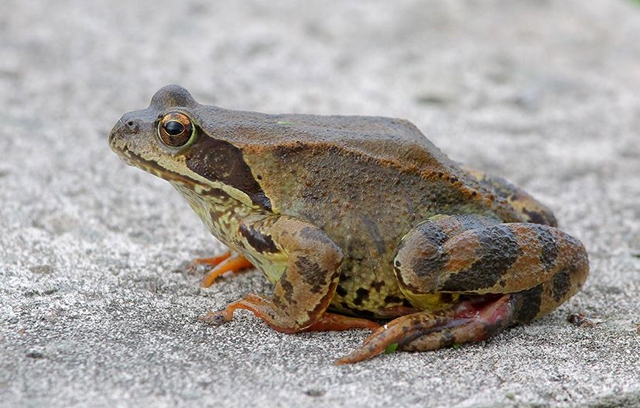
(358,222)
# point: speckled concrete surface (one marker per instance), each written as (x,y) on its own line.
(95,308)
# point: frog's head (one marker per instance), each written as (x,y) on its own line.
(155,139)
(168,140)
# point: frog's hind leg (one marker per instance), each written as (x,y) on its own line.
(472,320)
(531,209)
(479,318)
(495,275)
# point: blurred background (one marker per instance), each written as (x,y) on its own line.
(544,92)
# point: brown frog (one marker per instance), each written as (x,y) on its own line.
(356,220)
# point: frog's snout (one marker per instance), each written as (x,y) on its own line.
(126,125)
(113,135)
(120,138)
(129,125)
(122,132)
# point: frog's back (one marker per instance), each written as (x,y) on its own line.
(295,157)
(383,138)
(394,142)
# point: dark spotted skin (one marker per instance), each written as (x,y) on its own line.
(362,216)
(260,242)
(483,258)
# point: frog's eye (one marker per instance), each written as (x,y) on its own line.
(175,129)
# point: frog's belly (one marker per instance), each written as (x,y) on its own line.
(367,291)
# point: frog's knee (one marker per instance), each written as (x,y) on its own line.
(418,262)
(422,259)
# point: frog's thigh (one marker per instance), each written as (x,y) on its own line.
(304,290)
(488,259)
(531,209)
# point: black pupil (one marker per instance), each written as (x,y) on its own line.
(173,127)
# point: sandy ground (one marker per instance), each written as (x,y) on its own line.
(95,306)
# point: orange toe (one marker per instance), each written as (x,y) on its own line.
(229,264)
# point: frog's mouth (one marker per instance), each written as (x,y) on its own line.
(135,160)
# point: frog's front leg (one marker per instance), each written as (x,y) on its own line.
(474,277)
(304,264)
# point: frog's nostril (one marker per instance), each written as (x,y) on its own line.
(131,125)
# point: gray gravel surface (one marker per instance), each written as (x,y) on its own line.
(95,306)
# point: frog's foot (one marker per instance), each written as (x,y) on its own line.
(227,262)
(213,261)
(472,320)
(258,305)
(264,309)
